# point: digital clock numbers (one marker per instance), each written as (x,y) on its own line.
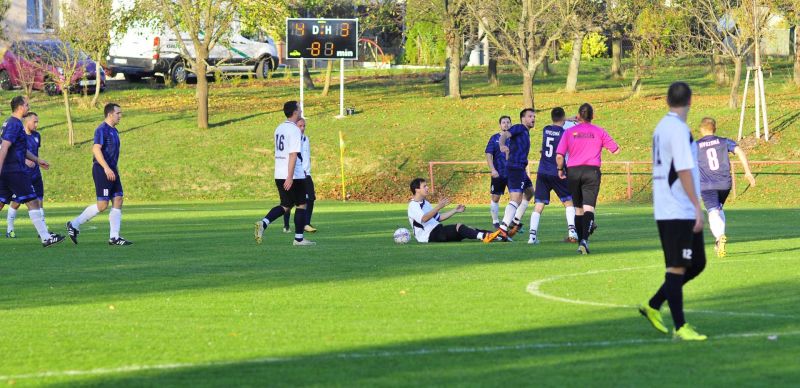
(322,38)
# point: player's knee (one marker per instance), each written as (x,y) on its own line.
(676,270)
(458,227)
(102,206)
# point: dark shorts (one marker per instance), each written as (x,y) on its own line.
(681,246)
(714,199)
(498,185)
(311,193)
(16,185)
(38,187)
(296,194)
(547,183)
(584,185)
(104,188)
(518,180)
(444,233)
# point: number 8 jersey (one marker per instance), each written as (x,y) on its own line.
(673,151)
(288,140)
(714,163)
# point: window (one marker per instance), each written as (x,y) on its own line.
(41,15)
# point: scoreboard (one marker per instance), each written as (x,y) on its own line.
(322,38)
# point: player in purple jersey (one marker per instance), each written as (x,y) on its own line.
(520,187)
(715,177)
(31,123)
(14,177)
(547,179)
(496,161)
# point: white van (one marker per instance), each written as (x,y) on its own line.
(146,51)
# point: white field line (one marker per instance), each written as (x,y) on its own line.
(534,288)
(386,354)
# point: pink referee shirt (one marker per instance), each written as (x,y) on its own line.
(584,143)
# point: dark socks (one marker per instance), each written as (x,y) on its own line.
(309,211)
(299,223)
(673,287)
(579,226)
(467,232)
(274,213)
(588,221)
(286,217)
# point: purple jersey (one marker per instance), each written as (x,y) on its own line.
(499,158)
(34,142)
(551,135)
(108,138)
(14,132)
(713,161)
(519,146)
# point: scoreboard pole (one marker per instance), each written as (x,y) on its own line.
(302,83)
(341,88)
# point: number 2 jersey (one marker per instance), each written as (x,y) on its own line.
(714,163)
(288,140)
(673,150)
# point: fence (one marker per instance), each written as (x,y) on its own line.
(628,170)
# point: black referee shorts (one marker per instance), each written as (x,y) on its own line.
(295,196)
(682,247)
(445,233)
(584,185)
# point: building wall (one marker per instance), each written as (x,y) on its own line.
(15,22)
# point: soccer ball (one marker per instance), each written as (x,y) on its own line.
(402,235)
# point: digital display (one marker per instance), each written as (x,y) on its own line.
(322,38)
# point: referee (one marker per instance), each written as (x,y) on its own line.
(676,188)
(583,143)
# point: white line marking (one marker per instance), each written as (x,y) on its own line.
(534,288)
(380,354)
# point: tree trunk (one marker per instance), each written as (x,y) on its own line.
(309,83)
(737,76)
(68,113)
(453,67)
(492,72)
(616,57)
(97,70)
(575,63)
(201,92)
(328,72)
(546,71)
(527,88)
(718,63)
(797,54)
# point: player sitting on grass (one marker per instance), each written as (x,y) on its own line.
(426,220)
(715,177)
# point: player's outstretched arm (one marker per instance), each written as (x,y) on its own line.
(743,158)
(458,209)
(444,202)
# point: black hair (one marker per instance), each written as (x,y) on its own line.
(679,94)
(522,112)
(109,108)
(503,117)
(416,184)
(557,114)
(289,107)
(17,102)
(586,112)
(29,114)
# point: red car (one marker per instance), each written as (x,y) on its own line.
(35,63)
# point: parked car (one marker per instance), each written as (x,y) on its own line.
(151,50)
(36,62)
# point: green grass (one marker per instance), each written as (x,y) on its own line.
(402,123)
(359,310)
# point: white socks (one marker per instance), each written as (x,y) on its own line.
(511,210)
(85,217)
(570,210)
(521,211)
(12,215)
(114,220)
(38,221)
(716,221)
(534,222)
(494,208)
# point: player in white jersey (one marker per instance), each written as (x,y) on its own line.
(676,189)
(311,192)
(425,219)
(289,176)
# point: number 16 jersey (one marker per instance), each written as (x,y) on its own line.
(288,140)
(714,163)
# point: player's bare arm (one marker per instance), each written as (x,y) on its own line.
(490,163)
(32,160)
(503,140)
(3,152)
(743,158)
(97,151)
(442,204)
(287,184)
(560,164)
(685,177)
(458,209)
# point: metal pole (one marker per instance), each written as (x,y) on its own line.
(341,88)
(764,104)
(744,103)
(430,174)
(630,180)
(301,85)
(757,91)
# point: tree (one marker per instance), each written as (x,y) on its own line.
(619,18)
(659,32)
(588,11)
(92,36)
(4,5)
(62,62)
(523,31)
(728,27)
(791,10)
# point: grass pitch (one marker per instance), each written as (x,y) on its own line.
(195,302)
